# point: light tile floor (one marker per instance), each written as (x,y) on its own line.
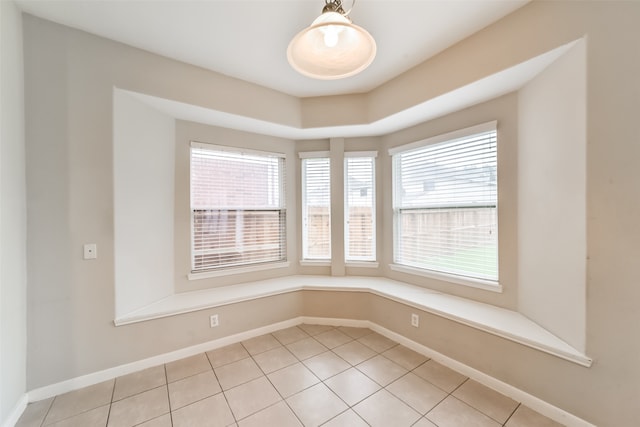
(307,375)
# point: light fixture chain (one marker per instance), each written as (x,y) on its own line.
(336,6)
(353,3)
(333,6)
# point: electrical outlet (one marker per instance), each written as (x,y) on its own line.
(415,320)
(213,321)
(90,251)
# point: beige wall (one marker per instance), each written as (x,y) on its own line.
(143,201)
(552,250)
(70,198)
(13,280)
(69,82)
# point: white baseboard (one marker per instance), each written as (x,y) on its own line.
(331,321)
(16,412)
(516,394)
(118,371)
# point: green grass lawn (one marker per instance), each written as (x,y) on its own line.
(480,262)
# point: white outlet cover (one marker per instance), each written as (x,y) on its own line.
(415,320)
(213,321)
(90,251)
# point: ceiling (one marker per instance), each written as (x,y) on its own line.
(248,39)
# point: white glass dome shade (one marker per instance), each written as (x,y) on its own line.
(331,48)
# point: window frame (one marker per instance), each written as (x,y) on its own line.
(477,282)
(370,260)
(225,270)
(305,258)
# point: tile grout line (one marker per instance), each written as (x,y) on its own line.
(473,407)
(351,366)
(113,393)
(513,412)
(75,414)
(264,374)
(222,391)
(349,407)
(48,410)
(323,382)
(448,394)
(166,381)
(273,385)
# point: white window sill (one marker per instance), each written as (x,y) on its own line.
(315,263)
(362,264)
(495,320)
(487,285)
(232,271)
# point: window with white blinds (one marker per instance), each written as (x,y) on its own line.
(238,214)
(360,201)
(316,207)
(445,203)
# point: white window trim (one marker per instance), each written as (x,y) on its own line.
(241,150)
(460,133)
(315,262)
(232,271)
(488,285)
(362,262)
(229,271)
(373,154)
(313,155)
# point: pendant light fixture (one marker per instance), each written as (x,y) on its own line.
(332,47)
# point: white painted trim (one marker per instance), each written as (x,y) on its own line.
(239,150)
(17,411)
(450,136)
(361,264)
(332,321)
(373,154)
(315,263)
(313,154)
(118,371)
(486,285)
(239,270)
(514,393)
(498,321)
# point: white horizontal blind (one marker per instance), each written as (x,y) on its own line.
(238,211)
(360,238)
(445,206)
(316,208)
